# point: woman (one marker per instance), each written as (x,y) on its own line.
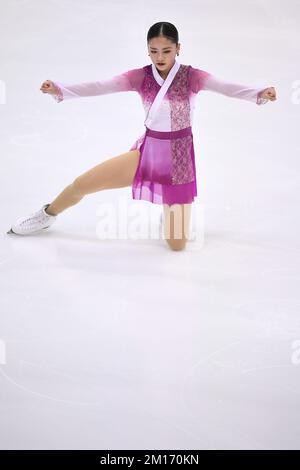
(160,165)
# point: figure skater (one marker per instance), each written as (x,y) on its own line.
(160,165)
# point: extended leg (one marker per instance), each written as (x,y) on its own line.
(117,172)
(176,225)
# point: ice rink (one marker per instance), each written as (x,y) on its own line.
(109,339)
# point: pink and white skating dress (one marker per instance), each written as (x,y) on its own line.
(166,172)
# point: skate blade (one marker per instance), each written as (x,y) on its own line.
(11,231)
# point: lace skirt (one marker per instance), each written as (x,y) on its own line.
(166,173)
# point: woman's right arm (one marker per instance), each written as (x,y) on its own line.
(60,91)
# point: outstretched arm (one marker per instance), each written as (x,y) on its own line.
(202,80)
(236,90)
(61,91)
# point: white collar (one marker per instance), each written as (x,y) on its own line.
(157,76)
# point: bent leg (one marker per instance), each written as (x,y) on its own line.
(176,225)
(117,172)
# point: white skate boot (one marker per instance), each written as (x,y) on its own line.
(33,222)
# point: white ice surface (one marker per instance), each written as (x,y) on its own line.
(125,344)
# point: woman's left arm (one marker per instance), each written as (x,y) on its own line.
(207,81)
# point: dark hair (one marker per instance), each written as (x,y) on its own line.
(163,28)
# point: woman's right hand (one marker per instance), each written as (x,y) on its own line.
(48,87)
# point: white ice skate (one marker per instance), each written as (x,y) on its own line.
(33,222)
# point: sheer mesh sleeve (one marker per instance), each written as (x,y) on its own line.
(202,80)
(234,90)
(127,81)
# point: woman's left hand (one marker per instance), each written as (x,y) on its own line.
(268,94)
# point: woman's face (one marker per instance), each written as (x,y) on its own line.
(162,52)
